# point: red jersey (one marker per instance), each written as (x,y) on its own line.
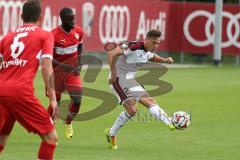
(21,50)
(66,45)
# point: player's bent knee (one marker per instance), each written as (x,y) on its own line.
(132,111)
(147,101)
(51,137)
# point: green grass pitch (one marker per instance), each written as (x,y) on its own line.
(212,93)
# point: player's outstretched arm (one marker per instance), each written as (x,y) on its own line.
(158,59)
(112,57)
(47,74)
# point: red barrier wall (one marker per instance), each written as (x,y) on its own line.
(185,27)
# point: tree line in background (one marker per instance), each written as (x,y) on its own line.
(213,1)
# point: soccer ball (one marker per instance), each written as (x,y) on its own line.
(181,120)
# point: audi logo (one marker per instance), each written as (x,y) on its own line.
(114,24)
(10,15)
(232,23)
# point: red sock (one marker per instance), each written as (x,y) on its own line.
(46,151)
(72,112)
(1,148)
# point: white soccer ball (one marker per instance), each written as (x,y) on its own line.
(181,120)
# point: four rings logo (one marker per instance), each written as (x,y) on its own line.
(233,23)
(9,15)
(114,24)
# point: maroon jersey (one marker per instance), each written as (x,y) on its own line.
(21,50)
(66,45)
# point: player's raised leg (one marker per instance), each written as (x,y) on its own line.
(156,110)
(130,111)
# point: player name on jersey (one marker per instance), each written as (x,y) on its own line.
(25,29)
(15,62)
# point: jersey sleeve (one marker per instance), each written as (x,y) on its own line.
(131,46)
(150,55)
(47,46)
(125,48)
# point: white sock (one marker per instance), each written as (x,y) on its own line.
(159,113)
(120,122)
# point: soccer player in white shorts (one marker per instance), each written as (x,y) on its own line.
(124,62)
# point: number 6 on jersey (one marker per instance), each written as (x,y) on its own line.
(18,46)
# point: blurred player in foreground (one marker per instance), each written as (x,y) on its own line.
(68,40)
(20,52)
(124,62)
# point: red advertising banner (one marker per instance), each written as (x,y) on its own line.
(198,28)
(187,27)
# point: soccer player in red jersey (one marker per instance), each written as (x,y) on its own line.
(68,39)
(20,52)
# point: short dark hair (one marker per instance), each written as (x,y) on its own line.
(65,11)
(154,33)
(31,11)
